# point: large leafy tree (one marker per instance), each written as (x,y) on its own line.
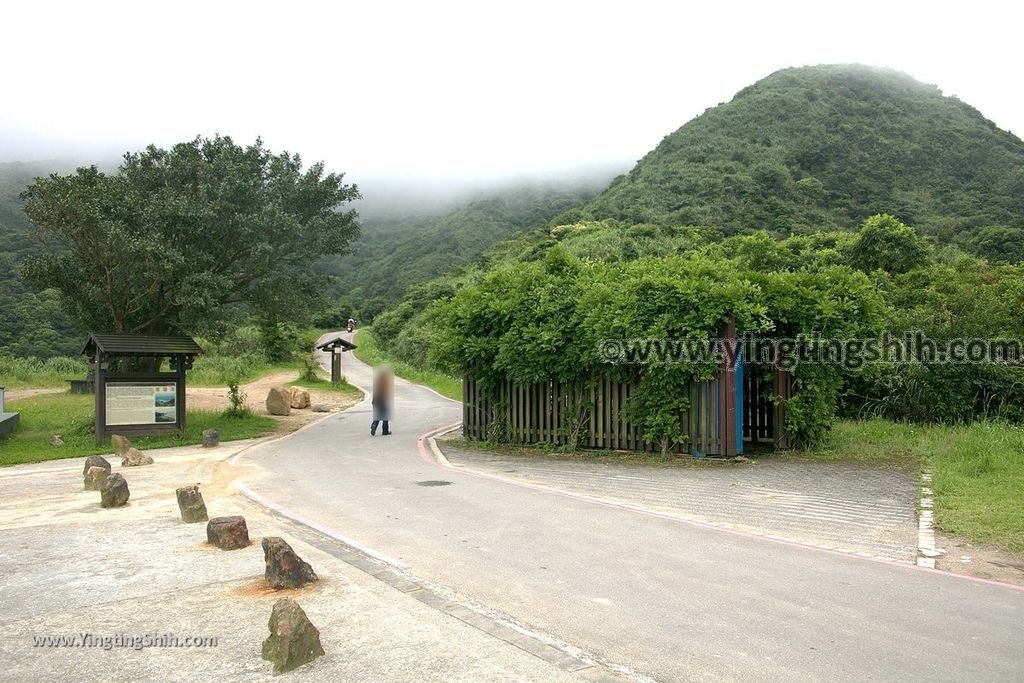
(176,235)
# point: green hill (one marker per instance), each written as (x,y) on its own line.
(823,147)
(397,252)
(789,186)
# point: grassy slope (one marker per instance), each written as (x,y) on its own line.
(371,355)
(71,416)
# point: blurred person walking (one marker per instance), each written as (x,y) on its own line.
(383,394)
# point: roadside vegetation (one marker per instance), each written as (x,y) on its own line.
(71,417)
(370,353)
(314,378)
(38,373)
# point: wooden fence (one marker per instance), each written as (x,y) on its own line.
(598,411)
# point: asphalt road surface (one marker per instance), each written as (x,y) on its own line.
(665,598)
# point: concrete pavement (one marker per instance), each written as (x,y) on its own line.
(71,568)
(854,508)
(671,600)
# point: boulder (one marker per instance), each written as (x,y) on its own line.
(56,440)
(285,569)
(95,461)
(300,397)
(120,444)
(134,458)
(211,438)
(94,478)
(114,491)
(321,408)
(293,639)
(279,401)
(191,505)
(228,533)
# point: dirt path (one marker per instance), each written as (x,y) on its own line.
(215,399)
(15,394)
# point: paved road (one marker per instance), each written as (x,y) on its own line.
(854,508)
(668,599)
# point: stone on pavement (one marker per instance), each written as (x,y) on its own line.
(94,478)
(191,504)
(133,457)
(293,640)
(228,533)
(95,461)
(144,559)
(211,438)
(120,444)
(114,491)
(279,401)
(299,397)
(285,569)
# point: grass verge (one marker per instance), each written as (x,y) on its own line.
(977,470)
(563,453)
(321,384)
(370,353)
(71,416)
(978,479)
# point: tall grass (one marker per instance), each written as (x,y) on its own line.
(219,371)
(19,373)
(978,479)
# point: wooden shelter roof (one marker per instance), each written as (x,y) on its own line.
(337,342)
(141,345)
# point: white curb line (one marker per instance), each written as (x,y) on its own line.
(926,550)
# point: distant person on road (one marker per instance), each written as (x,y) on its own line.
(383,394)
(351,324)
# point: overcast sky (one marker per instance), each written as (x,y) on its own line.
(454,90)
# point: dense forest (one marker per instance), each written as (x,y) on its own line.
(32,322)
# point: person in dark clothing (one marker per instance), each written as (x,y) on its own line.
(383,393)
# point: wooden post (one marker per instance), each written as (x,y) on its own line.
(100,391)
(783,381)
(728,440)
(180,391)
(335,366)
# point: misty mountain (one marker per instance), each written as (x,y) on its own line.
(396,250)
(823,147)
